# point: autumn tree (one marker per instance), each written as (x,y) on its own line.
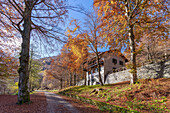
(8,63)
(122,19)
(58,71)
(25,17)
(87,35)
(77,54)
(8,70)
(88,32)
(155,45)
(71,60)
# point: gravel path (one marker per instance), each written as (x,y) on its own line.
(57,104)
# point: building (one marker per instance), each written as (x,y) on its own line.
(109,62)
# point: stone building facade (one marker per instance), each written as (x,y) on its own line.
(109,61)
(156,70)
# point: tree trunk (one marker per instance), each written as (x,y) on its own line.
(133,55)
(23,93)
(98,66)
(30,67)
(30,86)
(78,78)
(61,83)
(70,79)
(85,79)
(5,90)
(132,41)
(67,83)
(75,76)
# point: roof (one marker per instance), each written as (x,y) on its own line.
(110,51)
(114,51)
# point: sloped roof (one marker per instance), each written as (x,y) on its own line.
(106,52)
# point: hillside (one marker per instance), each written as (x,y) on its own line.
(148,96)
(46,62)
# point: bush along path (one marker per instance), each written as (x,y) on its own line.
(57,104)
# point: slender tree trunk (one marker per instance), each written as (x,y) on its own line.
(75,76)
(23,93)
(4,90)
(133,54)
(30,67)
(132,41)
(85,79)
(98,66)
(70,79)
(78,78)
(61,83)
(67,84)
(30,85)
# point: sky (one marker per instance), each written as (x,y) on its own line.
(87,5)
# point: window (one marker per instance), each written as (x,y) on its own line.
(114,61)
(121,62)
(114,69)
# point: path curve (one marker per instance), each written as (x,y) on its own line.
(57,104)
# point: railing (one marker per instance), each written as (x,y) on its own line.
(95,64)
(119,69)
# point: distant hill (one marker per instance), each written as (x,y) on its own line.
(46,62)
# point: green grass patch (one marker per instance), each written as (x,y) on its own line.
(101,105)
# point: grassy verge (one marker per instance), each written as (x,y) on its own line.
(54,91)
(146,96)
(101,105)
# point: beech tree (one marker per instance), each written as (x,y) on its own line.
(59,69)
(89,34)
(8,65)
(123,19)
(77,54)
(26,17)
(155,44)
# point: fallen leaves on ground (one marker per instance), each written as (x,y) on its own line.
(8,104)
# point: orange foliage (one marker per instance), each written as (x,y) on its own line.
(142,14)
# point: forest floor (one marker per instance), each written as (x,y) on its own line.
(37,105)
(148,96)
(45,102)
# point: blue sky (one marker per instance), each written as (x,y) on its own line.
(87,5)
